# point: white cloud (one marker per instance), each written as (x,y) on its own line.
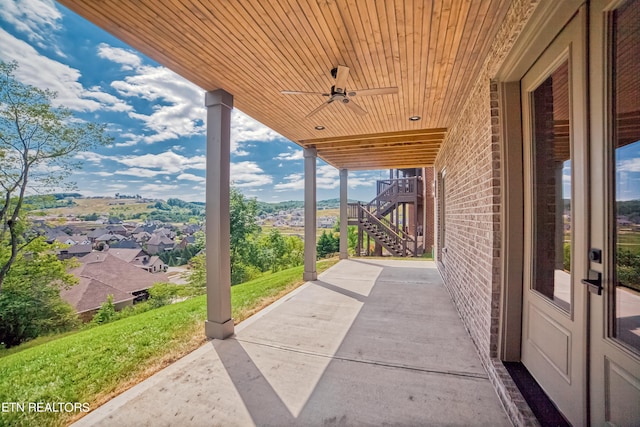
(249,174)
(129,60)
(629,165)
(290,155)
(167,162)
(113,187)
(91,157)
(148,165)
(244,128)
(178,109)
(129,143)
(37,19)
(327,178)
(58,77)
(145,173)
(191,177)
(156,189)
(294,181)
(354,182)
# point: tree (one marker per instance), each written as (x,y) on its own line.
(38,143)
(328,243)
(295,252)
(198,267)
(242,213)
(30,304)
(352,236)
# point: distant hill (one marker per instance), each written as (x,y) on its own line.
(132,208)
(49,201)
(267,208)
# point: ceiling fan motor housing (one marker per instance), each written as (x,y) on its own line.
(338,91)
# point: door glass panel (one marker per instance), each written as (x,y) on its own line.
(552,188)
(626,92)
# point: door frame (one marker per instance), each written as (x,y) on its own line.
(566,382)
(546,23)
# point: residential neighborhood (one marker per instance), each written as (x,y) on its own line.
(295,218)
(122,257)
(116,257)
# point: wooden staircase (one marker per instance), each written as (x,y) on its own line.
(371,217)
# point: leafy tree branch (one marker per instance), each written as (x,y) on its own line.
(38,143)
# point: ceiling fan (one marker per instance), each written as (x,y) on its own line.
(340,93)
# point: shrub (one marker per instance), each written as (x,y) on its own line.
(106,312)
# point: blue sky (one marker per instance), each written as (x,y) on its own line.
(156,117)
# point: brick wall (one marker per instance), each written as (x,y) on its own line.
(470,259)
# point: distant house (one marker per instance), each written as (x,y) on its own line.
(114,220)
(129,255)
(54,234)
(327,221)
(75,239)
(109,238)
(94,234)
(191,228)
(158,243)
(77,251)
(102,274)
(125,244)
(186,241)
(142,236)
(117,229)
(154,265)
(165,232)
(140,259)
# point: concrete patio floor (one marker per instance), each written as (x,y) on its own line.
(371,342)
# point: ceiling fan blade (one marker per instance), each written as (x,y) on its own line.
(299,92)
(341,78)
(324,104)
(354,107)
(377,91)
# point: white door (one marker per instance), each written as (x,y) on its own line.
(615,213)
(554,110)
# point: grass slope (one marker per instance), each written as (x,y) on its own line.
(96,364)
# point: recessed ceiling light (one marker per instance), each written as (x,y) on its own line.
(414,118)
(319,127)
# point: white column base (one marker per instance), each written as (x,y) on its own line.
(219,331)
(309,276)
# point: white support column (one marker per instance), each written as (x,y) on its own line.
(310,272)
(344,221)
(219,323)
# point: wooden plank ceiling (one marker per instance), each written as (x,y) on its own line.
(431,50)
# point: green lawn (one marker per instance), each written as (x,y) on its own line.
(629,240)
(94,365)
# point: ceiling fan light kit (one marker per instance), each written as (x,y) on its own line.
(339,92)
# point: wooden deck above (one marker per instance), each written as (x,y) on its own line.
(431,51)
